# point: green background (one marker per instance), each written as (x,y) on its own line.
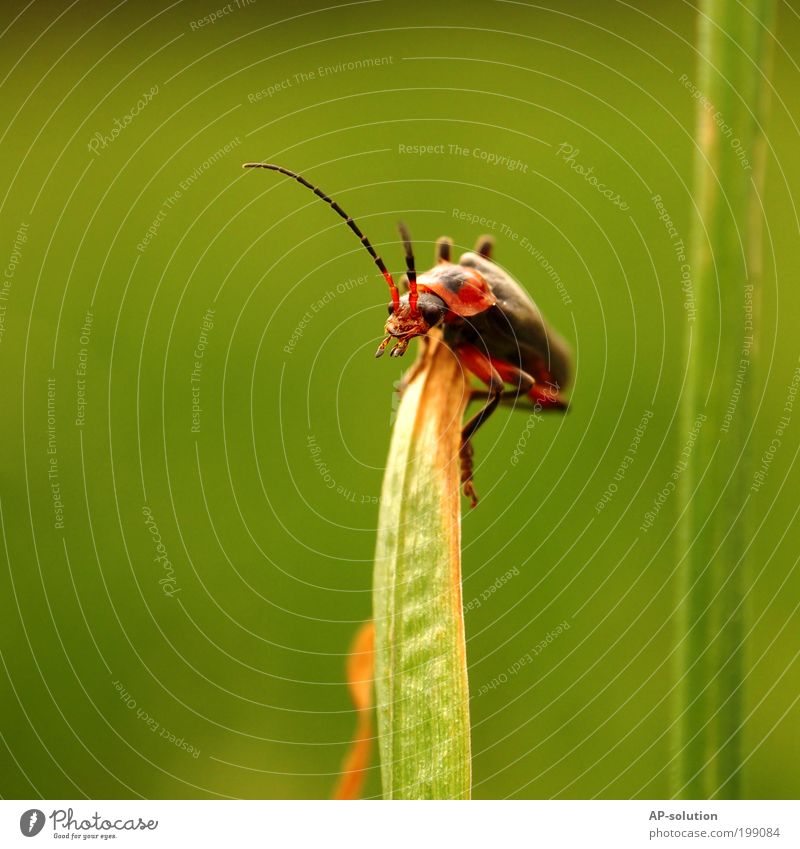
(268,514)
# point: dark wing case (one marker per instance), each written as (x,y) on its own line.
(515,330)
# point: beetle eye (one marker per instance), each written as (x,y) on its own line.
(430,314)
(391,308)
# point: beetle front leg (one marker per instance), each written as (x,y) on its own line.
(481,366)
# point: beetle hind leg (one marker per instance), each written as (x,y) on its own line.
(465,456)
(481,366)
(543,393)
(466,452)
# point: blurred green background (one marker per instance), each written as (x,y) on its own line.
(221,672)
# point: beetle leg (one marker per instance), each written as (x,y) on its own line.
(547,401)
(485,246)
(543,393)
(523,381)
(481,366)
(444,248)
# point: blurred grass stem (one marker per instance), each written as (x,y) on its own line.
(734,46)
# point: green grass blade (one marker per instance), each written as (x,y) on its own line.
(734,44)
(420,656)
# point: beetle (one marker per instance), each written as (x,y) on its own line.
(486,318)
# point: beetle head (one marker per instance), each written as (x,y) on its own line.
(404,323)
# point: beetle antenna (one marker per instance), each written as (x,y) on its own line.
(349,221)
(410,270)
